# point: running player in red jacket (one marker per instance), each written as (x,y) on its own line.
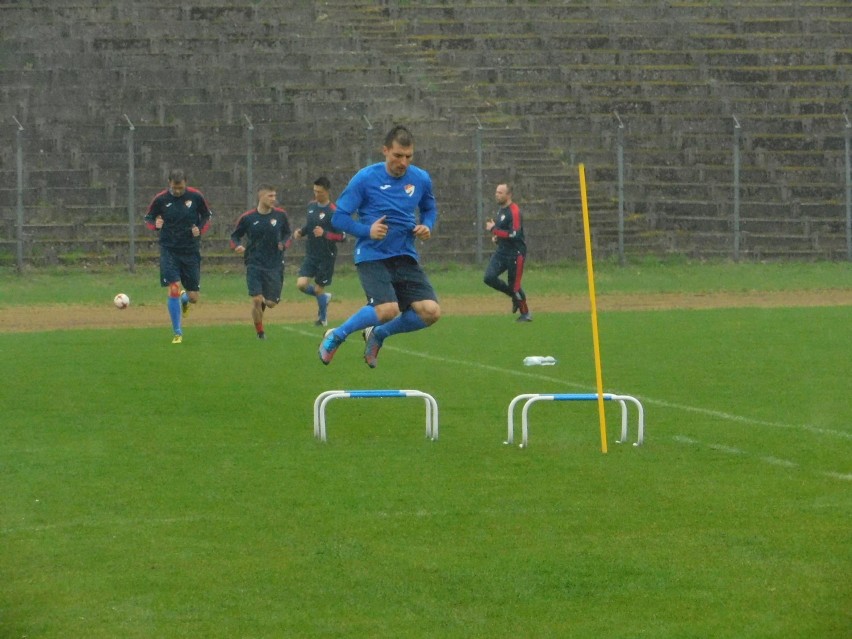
(507,231)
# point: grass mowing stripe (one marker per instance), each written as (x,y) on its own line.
(112,523)
(843,476)
(779,462)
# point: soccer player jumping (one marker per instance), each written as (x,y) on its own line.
(387,197)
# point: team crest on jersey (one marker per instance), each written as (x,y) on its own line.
(322,216)
(502,217)
(188,203)
(273,222)
(409,190)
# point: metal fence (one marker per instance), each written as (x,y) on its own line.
(626,192)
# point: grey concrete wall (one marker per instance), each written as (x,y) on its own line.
(544,80)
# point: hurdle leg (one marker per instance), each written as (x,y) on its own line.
(510,435)
(328,397)
(428,418)
(640,436)
(525,416)
(623,437)
(431,412)
(317,402)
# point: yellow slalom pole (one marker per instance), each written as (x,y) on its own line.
(590,269)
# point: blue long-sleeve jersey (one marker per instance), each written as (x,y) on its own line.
(372,193)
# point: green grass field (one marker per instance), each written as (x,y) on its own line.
(94,286)
(148,490)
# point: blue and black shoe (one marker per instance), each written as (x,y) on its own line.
(328,346)
(372,346)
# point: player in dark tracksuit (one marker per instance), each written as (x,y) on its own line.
(321,250)
(267,233)
(507,231)
(180,215)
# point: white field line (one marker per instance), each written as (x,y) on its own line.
(767,459)
(645,400)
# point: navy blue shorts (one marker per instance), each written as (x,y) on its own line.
(265,281)
(395,279)
(321,268)
(180,267)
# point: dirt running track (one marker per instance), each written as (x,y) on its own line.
(46,318)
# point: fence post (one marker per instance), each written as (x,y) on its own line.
(737,132)
(848,137)
(20,204)
(368,141)
(249,164)
(620,157)
(480,222)
(131,196)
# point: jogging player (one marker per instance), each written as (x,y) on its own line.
(507,232)
(321,249)
(180,215)
(266,230)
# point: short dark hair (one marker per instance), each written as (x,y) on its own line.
(177,175)
(401,135)
(324,182)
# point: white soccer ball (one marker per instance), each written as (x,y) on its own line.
(121,301)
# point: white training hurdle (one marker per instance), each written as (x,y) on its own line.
(325,397)
(532,398)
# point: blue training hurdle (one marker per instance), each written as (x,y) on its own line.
(325,397)
(532,398)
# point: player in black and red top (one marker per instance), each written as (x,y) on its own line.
(267,232)
(508,233)
(321,251)
(180,215)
